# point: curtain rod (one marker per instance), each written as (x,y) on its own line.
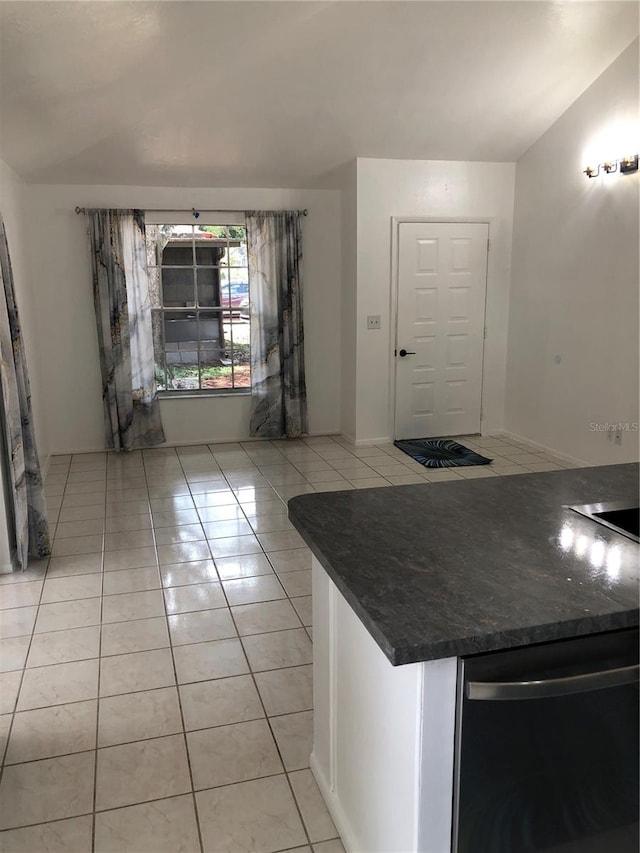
(304,212)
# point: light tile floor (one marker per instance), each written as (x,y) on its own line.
(155,673)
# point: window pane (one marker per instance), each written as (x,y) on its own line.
(237,232)
(208,252)
(239,277)
(242,365)
(208,287)
(177,245)
(182,377)
(236,299)
(171,232)
(215,365)
(181,347)
(216,230)
(178,288)
(237,337)
(225,295)
(238,255)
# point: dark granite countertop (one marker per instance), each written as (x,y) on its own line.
(456,568)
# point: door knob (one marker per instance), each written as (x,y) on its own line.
(403,353)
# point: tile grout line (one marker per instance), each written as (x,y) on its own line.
(262,705)
(24,668)
(22,677)
(267,718)
(156,800)
(164,687)
(145,618)
(30,635)
(95,755)
(269,725)
(178,695)
(165,737)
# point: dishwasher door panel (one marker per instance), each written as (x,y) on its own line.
(549,774)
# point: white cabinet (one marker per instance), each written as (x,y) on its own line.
(383,735)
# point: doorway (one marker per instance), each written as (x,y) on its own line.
(442,283)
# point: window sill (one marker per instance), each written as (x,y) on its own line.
(198,395)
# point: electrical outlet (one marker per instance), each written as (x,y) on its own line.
(373,321)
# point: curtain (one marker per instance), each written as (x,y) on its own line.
(29,511)
(278,390)
(123,315)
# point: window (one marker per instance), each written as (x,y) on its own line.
(200,299)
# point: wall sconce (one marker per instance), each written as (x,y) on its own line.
(625,165)
(629,164)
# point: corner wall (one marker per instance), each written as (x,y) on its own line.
(66,320)
(349,244)
(429,189)
(572,364)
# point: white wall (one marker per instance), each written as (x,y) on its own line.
(66,322)
(429,189)
(573,326)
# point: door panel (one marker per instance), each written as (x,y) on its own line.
(441,301)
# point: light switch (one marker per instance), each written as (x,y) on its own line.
(373,321)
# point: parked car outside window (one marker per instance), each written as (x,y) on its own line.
(235,295)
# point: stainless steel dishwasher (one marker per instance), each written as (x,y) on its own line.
(547,748)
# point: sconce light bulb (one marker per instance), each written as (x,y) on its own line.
(629,164)
(590,172)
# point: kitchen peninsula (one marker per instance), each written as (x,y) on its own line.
(408,580)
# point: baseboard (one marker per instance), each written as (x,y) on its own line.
(70,452)
(543,447)
(369,442)
(335,809)
(195,443)
(362,442)
(228,440)
(12,566)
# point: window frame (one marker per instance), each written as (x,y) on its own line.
(207,217)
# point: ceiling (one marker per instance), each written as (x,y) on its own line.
(281,94)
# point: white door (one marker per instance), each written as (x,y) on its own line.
(442,279)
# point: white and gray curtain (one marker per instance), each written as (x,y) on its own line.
(25,478)
(278,389)
(125,337)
